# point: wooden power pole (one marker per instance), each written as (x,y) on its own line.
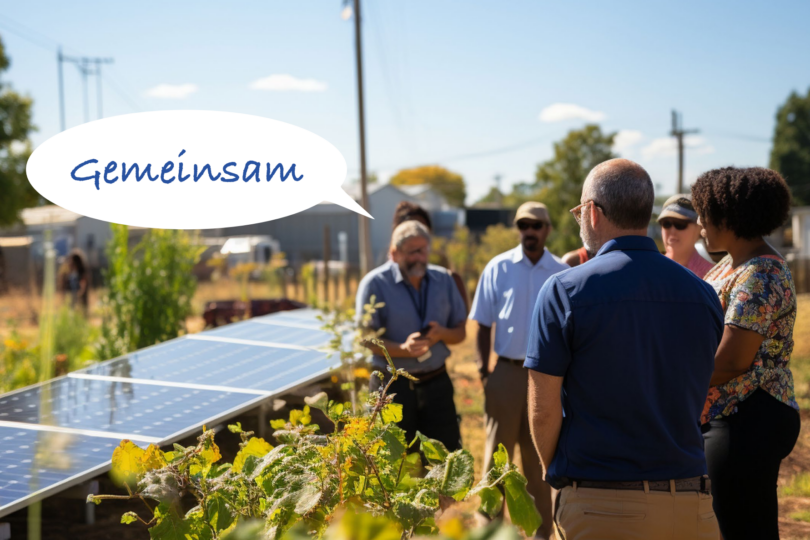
(678,132)
(366,259)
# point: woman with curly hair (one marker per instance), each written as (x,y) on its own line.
(750,421)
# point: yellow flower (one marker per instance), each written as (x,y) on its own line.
(356,428)
(361,373)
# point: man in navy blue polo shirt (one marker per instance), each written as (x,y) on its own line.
(620,354)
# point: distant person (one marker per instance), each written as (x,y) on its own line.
(615,391)
(405,211)
(680,232)
(751,419)
(577,257)
(423,314)
(77,281)
(505,297)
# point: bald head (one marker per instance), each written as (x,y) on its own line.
(624,190)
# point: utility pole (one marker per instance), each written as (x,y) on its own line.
(84,64)
(678,132)
(61,90)
(366,258)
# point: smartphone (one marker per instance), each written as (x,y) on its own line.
(424,331)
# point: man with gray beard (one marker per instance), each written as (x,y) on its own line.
(423,314)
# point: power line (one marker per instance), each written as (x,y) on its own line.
(120,92)
(678,132)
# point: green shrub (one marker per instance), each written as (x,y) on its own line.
(149,289)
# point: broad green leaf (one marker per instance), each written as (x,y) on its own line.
(391,413)
(491,501)
(129,517)
(308,498)
(435,451)
(220,515)
(170,525)
(127,463)
(319,401)
(521,506)
(394,447)
(458,474)
(255,447)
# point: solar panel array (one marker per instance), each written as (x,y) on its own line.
(59,433)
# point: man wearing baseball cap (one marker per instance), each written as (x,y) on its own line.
(505,298)
(680,232)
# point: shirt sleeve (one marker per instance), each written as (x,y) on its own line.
(760,296)
(458,311)
(483,305)
(365,291)
(550,337)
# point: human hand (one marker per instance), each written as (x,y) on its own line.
(416,345)
(436,332)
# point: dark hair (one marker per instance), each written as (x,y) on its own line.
(625,192)
(407,210)
(750,202)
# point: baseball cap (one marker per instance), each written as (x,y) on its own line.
(533,210)
(679,207)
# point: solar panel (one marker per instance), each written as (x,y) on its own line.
(158,394)
(36,463)
(128,409)
(271,333)
(221,364)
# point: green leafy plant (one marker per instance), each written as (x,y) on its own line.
(149,289)
(299,486)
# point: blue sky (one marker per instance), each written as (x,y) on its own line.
(444,79)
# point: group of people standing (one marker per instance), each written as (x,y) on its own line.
(649,394)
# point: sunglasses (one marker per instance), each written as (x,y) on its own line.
(525,225)
(679,225)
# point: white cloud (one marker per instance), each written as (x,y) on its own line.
(568,111)
(626,138)
(284,82)
(172,91)
(667,146)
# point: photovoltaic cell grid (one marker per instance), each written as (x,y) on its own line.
(32,461)
(271,333)
(252,367)
(88,404)
(117,407)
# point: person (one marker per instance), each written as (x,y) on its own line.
(422,315)
(76,281)
(750,419)
(505,297)
(577,257)
(615,391)
(680,232)
(406,210)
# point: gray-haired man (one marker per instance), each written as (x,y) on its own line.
(423,313)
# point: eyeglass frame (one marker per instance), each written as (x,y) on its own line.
(576,211)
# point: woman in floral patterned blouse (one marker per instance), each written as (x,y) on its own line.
(750,420)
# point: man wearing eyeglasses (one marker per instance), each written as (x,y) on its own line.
(504,298)
(616,390)
(422,315)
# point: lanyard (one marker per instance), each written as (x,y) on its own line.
(421,307)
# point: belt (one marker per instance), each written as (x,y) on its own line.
(425,377)
(698,483)
(510,360)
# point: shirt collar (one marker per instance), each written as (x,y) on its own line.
(397,273)
(629,243)
(518,256)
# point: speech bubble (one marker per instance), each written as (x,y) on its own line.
(189,170)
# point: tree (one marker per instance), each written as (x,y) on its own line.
(791,145)
(16,192)
(559,181)
(448,183)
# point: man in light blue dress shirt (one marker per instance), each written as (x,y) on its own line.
(505,298)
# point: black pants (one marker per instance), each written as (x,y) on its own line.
(743,453)
(427,407)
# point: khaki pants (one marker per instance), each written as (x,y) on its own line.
(507,420)
(609,514)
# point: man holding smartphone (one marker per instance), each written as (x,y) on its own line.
(422,315)
(505,298)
